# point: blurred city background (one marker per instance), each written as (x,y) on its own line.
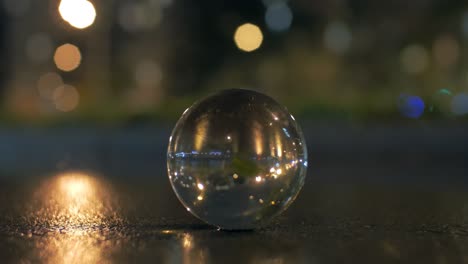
(380,88)
(118,61)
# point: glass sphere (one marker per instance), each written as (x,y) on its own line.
(237,159)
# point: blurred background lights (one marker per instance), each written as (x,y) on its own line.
(278,17)
(248,37)
(39,47)
(141,56)
(459,104)
(148,91)
(444,92)
(148,73)
(337,37)
(67,57)
(441,101)
(47,83)
(78,13)
(411,106)
(414,59)
(138,16)
(66,98)
(446,51)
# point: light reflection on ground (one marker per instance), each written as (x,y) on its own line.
(77,218)
(75,246)
(74,206)
(74,199)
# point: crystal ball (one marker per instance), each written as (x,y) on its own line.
(237,159)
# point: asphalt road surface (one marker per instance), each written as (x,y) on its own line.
(371,196)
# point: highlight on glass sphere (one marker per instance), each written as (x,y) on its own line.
(237,159)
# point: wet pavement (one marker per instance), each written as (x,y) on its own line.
(139,223)
(407,204)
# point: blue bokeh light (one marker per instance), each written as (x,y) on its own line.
(278,17)
(460,104)
(411,106)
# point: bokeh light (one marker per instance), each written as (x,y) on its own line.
(39,47)
(78,13)
(337,37)
(248,37)
(411,106)
(444,91)
(48,83)
(66,98)
(460,104)
(148,73)
(138,16)
(441,101)
(67,57)
(142,55)
(446,51)
(278,17)
(148,91)
(414,59)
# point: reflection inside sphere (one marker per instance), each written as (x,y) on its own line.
(237,159)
